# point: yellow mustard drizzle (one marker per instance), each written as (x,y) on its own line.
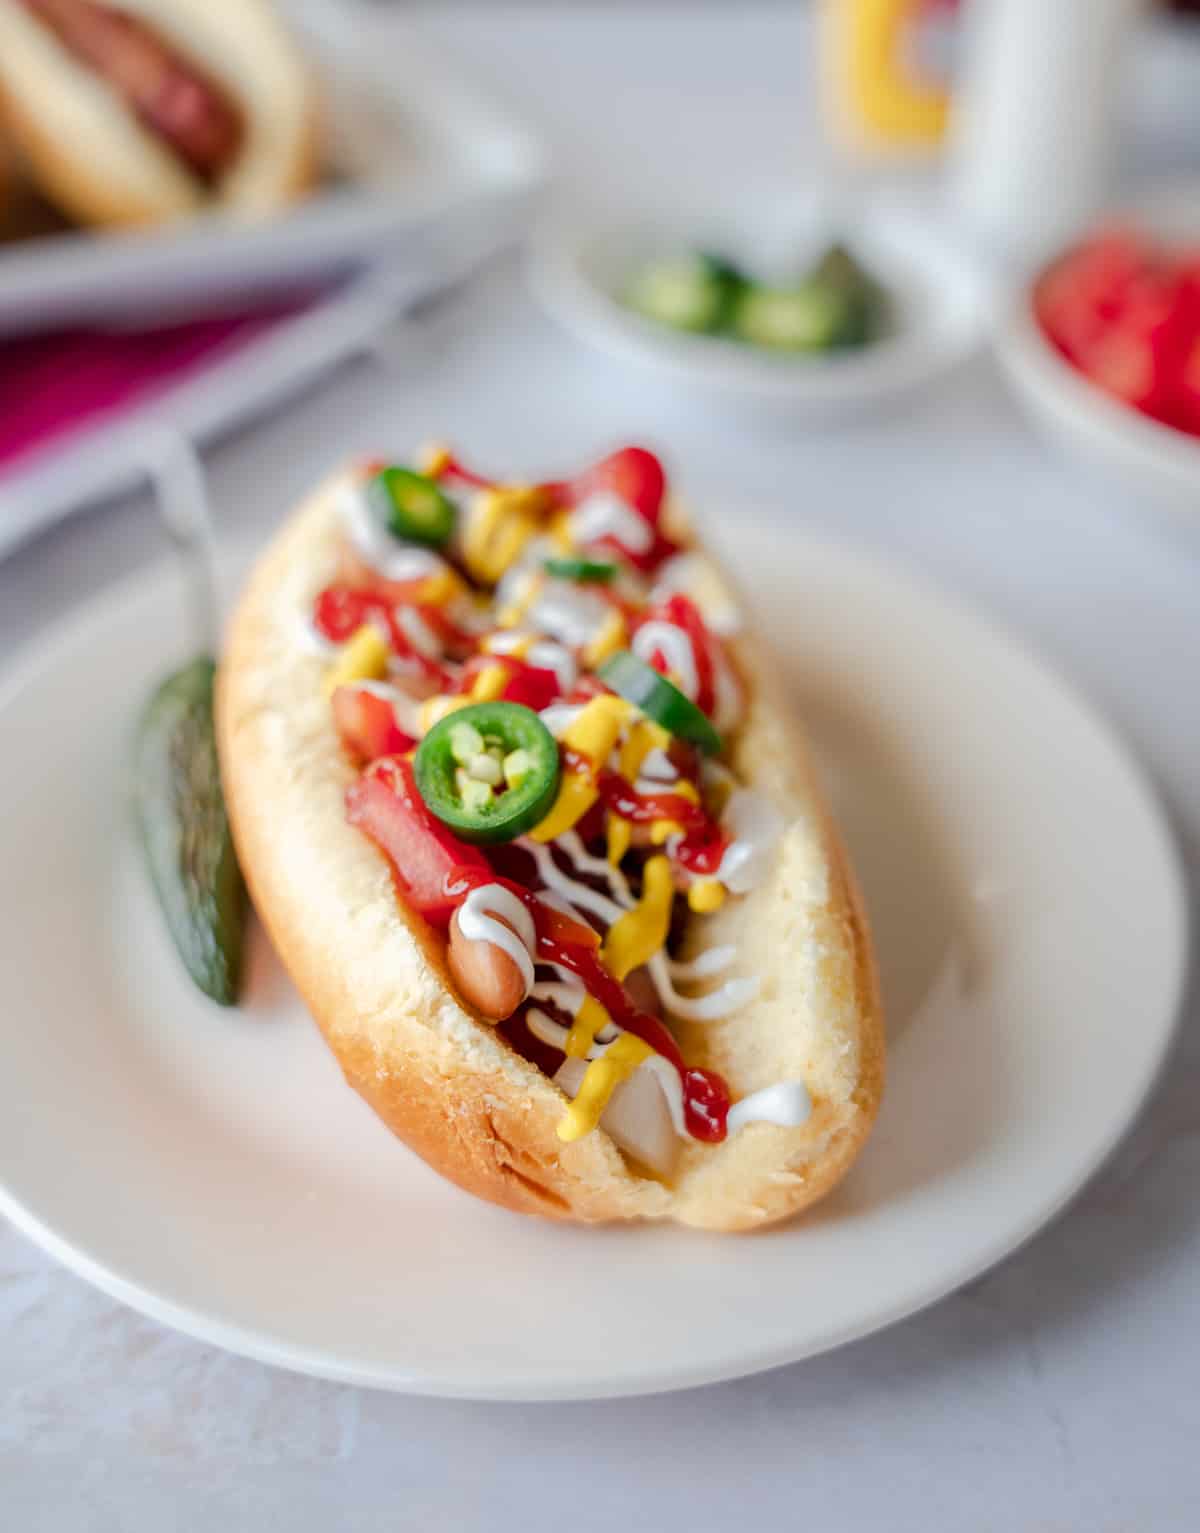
(706,895)
(513,614)
(644,737)
(619,833)
(603,1076)
(519,650)
(486,687)
(489,684)
(364,657)
(592,735)
(433,460)
(592,1017)
(434,709)
(612,636)
(499,525)
(641,932)
(560,532)
(437,590)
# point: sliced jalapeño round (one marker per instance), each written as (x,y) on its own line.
(489,771)
(410,505)
(585,571)
(659,699)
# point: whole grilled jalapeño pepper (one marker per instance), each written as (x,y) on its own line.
(489,771)
(659,699)
(410,505)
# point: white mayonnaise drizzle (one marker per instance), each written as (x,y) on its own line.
(669,640)
(715,960)
(375,545)
(314,642)
(554,657)
(548,1031)
(517,582)
(686,573)
(575,893)
(722,1002)
(559,717)
(606,515)
(658,767)
(567,992)
(568,612)
(540,652)
(676,648)
(786,1103)
(475,921)
(418,632)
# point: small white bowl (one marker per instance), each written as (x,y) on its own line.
(580,269)
(1155,461)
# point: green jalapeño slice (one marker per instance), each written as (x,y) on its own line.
(659,699)
(410,505)
(585,571)
(489,771)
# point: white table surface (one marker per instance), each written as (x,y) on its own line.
(1057,1393)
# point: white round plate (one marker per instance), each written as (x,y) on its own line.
(211,1168)
(1156,462)
(580,269)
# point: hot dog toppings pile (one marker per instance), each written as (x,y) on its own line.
(540,705)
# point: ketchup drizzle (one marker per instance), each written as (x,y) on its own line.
(706,1099)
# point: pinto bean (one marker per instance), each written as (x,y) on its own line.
(486,976)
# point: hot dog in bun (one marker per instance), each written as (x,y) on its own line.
(536,835)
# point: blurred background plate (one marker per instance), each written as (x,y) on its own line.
(407,142)
(582,267)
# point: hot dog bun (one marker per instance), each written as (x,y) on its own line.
(91,156)
(375,976)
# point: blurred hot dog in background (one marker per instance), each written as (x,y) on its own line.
(156,109)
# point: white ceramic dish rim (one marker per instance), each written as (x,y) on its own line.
(564,244)
(255,1344)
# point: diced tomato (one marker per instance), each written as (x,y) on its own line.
(587,687)
(384,803)
(367,724)
(357,573)
(340,611)
(633,474)
(453,638)
(533,685)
